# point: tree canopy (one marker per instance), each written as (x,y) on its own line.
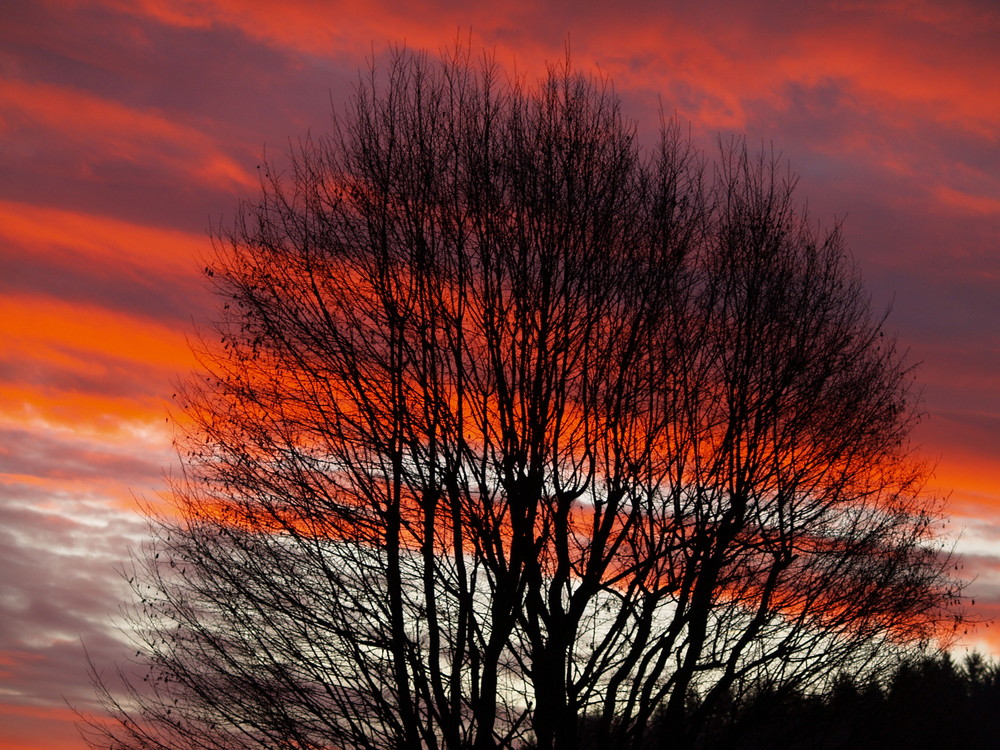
(513,429)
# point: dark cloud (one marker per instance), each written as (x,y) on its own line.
(49,456)
(129,291)
(81,373)
(213,82)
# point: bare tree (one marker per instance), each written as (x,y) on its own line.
(511,423)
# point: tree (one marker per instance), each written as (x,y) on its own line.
(925,702)
(512,427)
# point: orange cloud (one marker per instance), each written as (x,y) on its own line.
(20,728)
(71,364)
(107,355)
(60,333)
(118,247)
(973,486)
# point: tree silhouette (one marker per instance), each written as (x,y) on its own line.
(926,702)
(514,434)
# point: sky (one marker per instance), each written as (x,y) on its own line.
(130,128)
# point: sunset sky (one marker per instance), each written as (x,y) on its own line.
(130,128)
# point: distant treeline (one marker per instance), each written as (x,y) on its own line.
(928,703)
(932,702)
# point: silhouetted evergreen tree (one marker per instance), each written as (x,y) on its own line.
(929,702)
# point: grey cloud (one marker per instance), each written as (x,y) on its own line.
(50,455)
(60,591)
